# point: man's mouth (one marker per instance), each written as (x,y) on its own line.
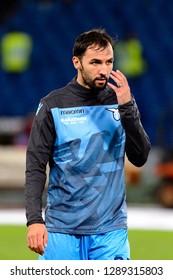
(101,79)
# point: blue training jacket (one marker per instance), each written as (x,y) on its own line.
(84,135)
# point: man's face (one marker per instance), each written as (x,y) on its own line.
(95,67)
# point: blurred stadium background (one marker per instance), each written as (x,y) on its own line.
(52,26)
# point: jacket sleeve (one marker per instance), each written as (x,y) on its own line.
(137,144)
(37,156)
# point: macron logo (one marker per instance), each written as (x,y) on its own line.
(69,112)
(39,107)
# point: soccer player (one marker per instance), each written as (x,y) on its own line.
(83,131)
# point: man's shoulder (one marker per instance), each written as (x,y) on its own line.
(56,97)
(56,93)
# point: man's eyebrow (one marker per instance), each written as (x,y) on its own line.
(100,60)
(95,59)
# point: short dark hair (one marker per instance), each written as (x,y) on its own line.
(97,36)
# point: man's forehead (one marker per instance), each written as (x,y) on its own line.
(96,49)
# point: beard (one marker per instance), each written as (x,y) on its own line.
(99,83)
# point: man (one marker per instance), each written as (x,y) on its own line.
(84,130)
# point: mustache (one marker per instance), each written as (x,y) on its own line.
(101,77)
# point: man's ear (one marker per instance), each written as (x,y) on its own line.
(76,62)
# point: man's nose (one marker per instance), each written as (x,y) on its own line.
(103,70)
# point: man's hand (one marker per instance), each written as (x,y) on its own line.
(122,89)
(37,238)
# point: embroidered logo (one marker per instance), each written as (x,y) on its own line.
(116,114)
(39,107)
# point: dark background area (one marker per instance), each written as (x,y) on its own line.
(54,25)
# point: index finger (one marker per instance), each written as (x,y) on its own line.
(118,74)
(40,245)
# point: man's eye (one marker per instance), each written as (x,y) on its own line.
(109,62)
(95,62)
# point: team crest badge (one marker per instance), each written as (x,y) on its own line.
(116,114)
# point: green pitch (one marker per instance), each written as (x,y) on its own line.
(151,245)
(145,244)
(13,244)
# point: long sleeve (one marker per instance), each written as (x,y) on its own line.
(37,156)
(137,142)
